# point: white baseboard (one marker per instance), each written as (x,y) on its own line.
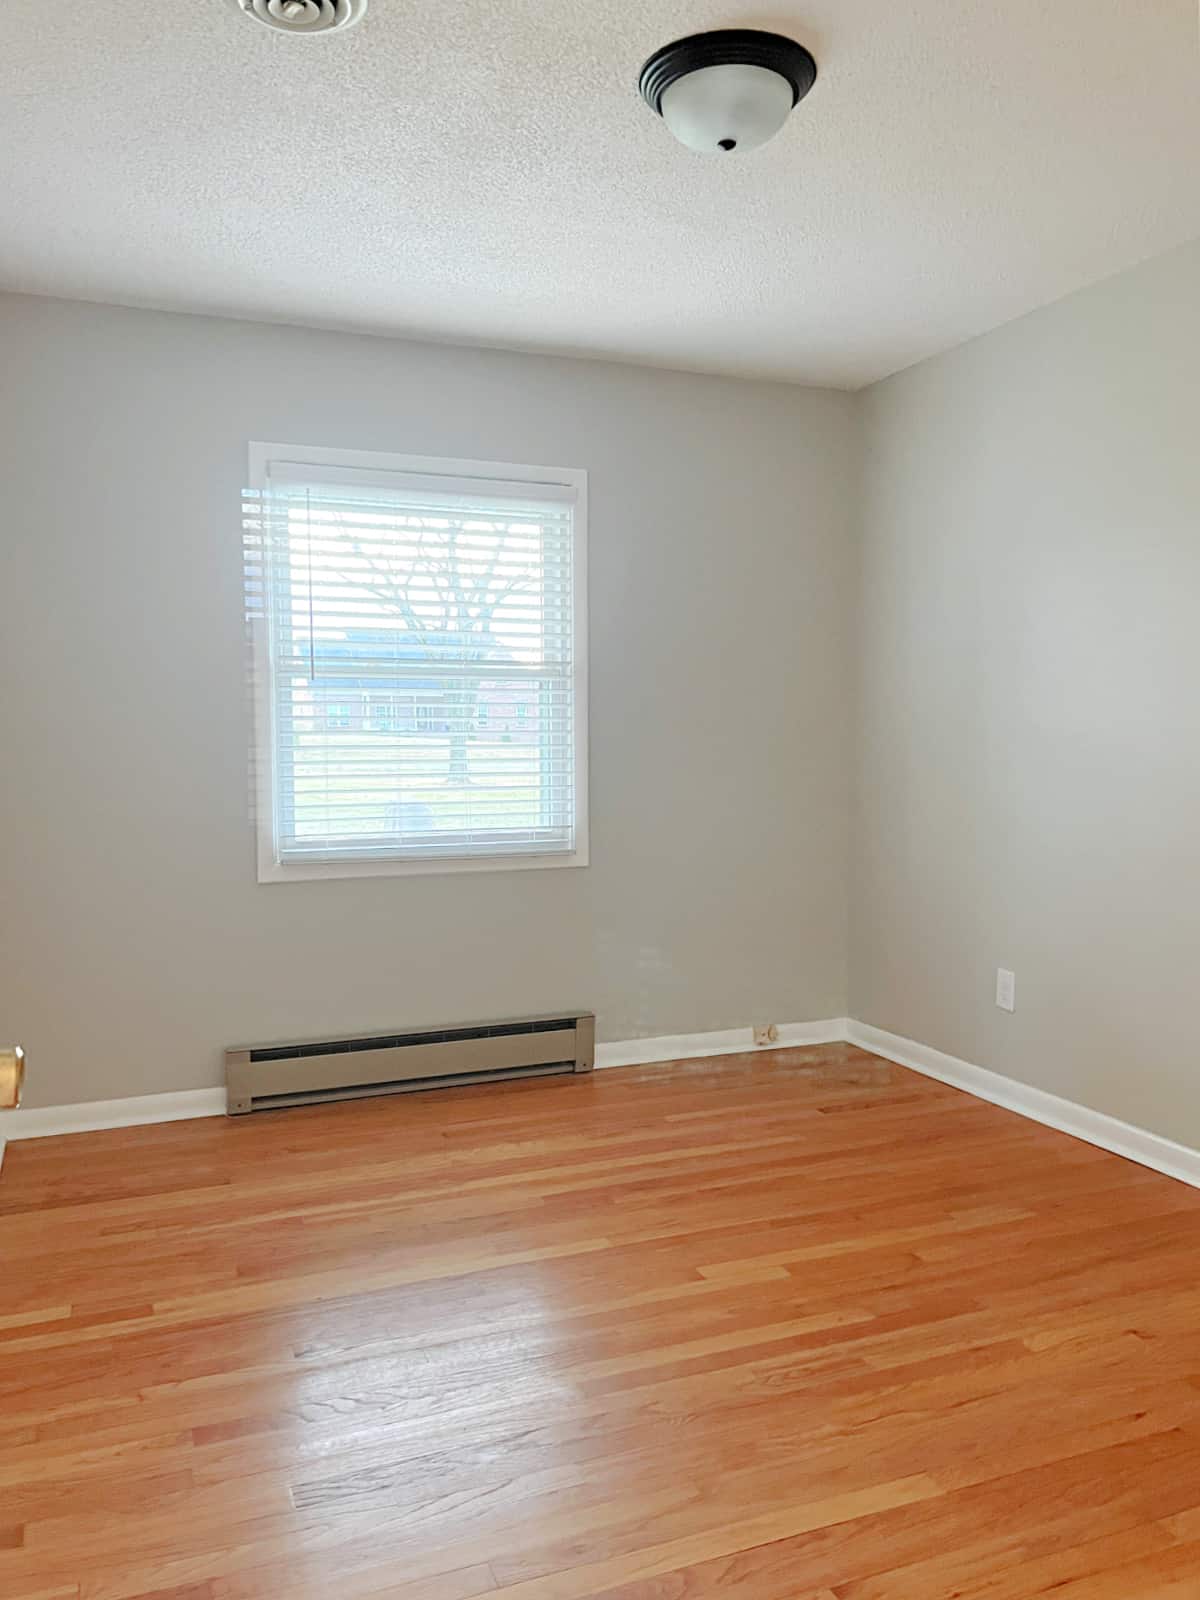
(1094,1127)
(726,1042)
(1109,1133)
(92,1115)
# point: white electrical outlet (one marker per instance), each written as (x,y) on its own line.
(766,1033)
(1006,989)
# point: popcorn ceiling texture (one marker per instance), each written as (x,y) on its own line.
(484,172)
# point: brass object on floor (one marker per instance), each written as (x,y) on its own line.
(12,1076)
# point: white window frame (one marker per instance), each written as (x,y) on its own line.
(270,868)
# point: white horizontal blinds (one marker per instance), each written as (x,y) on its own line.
(421,671)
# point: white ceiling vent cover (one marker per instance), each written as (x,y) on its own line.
(304,16)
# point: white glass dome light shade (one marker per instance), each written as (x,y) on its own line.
(727,90)
(727,108)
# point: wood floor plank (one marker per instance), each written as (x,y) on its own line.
(796,1324)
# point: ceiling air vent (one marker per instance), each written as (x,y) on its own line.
(304,16)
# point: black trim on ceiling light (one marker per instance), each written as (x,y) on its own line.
(724,47)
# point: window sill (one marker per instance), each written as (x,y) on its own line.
(308,871)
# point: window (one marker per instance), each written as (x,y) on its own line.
(383,712)
(395,603)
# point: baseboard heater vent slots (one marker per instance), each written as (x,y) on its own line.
(262,1077)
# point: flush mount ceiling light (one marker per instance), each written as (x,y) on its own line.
(728,90)
(304,16)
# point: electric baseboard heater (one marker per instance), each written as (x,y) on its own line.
(263,1077)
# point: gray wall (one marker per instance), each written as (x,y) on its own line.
(134,940)
(1028,776)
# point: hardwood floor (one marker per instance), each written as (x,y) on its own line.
(796,1326)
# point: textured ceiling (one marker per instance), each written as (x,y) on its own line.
(483,171)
